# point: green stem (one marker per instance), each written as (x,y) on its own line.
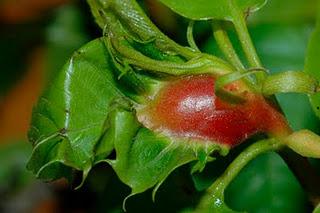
(225,45)
(190,37)
(289,81)
(215,193)
(200,65)
(245,40)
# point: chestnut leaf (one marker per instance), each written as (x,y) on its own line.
(69,118)
(87,113)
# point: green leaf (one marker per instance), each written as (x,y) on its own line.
(312,64)
(123,126)
(148,158)
(212,9)
(70,117)
(266,185)
(292,11)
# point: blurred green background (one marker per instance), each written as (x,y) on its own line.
(36,39)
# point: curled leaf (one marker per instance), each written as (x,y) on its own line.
(147,159)
(86,114)
(70,116)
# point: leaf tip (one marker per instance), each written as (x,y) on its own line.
(84,176)
(155,190)
(125,201)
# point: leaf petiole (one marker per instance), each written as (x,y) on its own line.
(245,40)
(213,200)
(190,37)
(225,45)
